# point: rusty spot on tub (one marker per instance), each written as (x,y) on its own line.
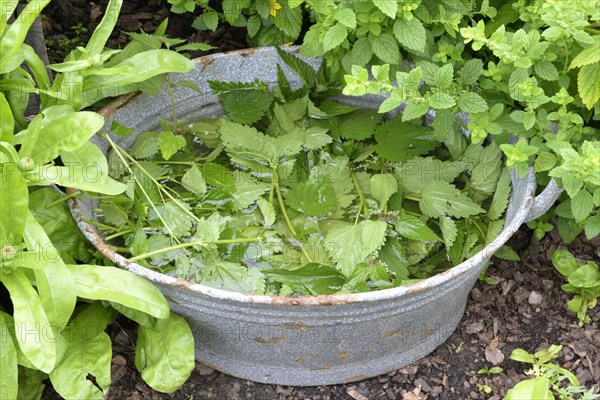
(381,318)
(117,104)
(244,52)
(323,368)
(296,325)
(426,332)
(355,378)
(394,333)
(323,300)
(206,60)
(343,354)
(273,340)
(299,360)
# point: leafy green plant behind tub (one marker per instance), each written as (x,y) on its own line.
(53,322)
(295,196)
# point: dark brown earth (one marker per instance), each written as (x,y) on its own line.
(525,310)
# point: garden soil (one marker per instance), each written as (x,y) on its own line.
(526,309)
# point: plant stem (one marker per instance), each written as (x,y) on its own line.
(361,196)
(64,198)
(172,99)
(200,243)
(285,214)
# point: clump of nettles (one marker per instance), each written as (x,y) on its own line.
(298,196)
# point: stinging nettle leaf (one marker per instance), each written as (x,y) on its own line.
(501,196)
(399,141)
(413,228)
(169,144)
(314,199)
(442,198)
(194,181)
(383,186)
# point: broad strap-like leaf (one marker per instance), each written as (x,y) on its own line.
(164,353)
(89,352)
(9,376)
(123,287)
(31,321)
(14,200)
(68,132)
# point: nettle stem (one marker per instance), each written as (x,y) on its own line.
(363,203)
(200,243)
(285,214)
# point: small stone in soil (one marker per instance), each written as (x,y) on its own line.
(535,298)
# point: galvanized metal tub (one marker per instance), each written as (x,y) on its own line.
(303,340)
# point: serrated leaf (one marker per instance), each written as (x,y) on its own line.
(471,102)
(410,33)
(441,101)
(145,146)
(334,36)
(398,141)
(507,253)
(289,21)
(304,71)
(413,228)
(350,245)
(211,19)
(383,186)
(236,98)
(386,48)
(546,70)
(315,138)
(194,181)
(417,172)
(169,144)
(471,71)
(517,77)
(313,199)
(388,7)
(414,110)
(178,221)
(346,17)
(582,205)
(247,190)
(319,279)
(359,124)
(588,84)
(568,228)
(442,198)
(361,52)
(487,171)
(592,226)
(587,56)
(444,76)
(253,26)
(267,210)
(501,196)
(449,231)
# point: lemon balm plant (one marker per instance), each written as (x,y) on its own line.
(60,301)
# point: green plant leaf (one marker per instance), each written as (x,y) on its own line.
(346,17)
(164,353)
(410,33)
(418,171)
(471,102)
(564,262)
(9,379)
(87,156)
(486,173)
(7,122)
(169,144)
(89,352)
(592,226)
(442,198)
(537,388)
(444,76)
(349,245)
(582,205)
(76,177)
(449,230)
(414,110)
(588,83)
(546,70)
(289,21)
(361,52)
(119,286)
(586,276)
(359,124)
(68,132)
(14,200)
(383,186)
(317,278)
(194,181)
(386,48)
(413,228)
(389,8)
(587,56)
(334,36)
(304,71)
(441,101)
(313,199)
(501,196)
(471,71)
(29,316)
(398,141)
